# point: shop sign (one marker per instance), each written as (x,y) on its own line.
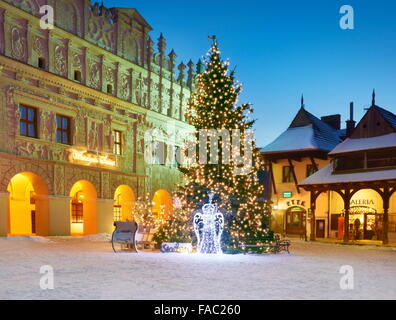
(295,202)
(90,158)
(287,194)
(362,202)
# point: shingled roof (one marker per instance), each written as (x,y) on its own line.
(306,132)
(389,116)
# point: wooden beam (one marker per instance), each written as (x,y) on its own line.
(272,178)
(314,164)
(294,175)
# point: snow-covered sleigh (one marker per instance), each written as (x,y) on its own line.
(123,238)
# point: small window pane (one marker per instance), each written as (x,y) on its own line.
(58,121)
(59,136)
(65,138)
(22,110)
(65,123)
(22,129)
(31,114)
(31,131)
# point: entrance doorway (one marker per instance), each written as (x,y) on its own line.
(124,204)
(320,228)
(83,208)
(295,221)
(28,205)
(365,223)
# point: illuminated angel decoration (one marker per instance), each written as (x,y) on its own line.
(208,227)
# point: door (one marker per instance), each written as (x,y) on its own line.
(320,228)
(295,221)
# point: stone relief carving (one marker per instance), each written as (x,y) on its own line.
(101,31)
(18,47)
(68,19)
(94,75)
(125,86)
(38,46)
(48,125)
(95,135)
(145,92)
(77,62)
(109,75)
(108,136)
(32,6)
(59,179)
(137,88)
(60,60)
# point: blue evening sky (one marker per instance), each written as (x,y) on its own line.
(285,48)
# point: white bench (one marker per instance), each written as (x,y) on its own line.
(144,237)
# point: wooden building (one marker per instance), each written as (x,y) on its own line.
(364,163)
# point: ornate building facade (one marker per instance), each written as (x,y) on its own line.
(75,102)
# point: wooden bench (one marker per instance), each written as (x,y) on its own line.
(277,246)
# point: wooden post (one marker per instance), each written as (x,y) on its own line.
(294,175)
(313,197)
(385,224)
(347,205)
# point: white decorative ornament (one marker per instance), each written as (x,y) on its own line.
(208,227)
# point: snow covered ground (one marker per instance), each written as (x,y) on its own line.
(86,268)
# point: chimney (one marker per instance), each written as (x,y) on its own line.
(350,124)
(333,121)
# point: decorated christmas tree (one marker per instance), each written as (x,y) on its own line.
(230,169)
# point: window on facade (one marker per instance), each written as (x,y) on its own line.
(287,174)
(117,213)
(28,121)
(381,159)
(310,169)
(352,162)
(117,142)
(63,129)
(41,63)
(77,75)
(77,212)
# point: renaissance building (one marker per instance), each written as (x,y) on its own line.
(75,103)
(332,183)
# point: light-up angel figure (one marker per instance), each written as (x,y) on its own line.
(208,227)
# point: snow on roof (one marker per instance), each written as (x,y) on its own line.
(351,145)
(299,138)
(306,132)
(325,176)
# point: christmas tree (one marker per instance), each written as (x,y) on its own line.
(230,172)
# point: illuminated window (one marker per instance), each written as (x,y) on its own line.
(77,209)
(117,142)
(63,129)
(77,212)
(28,121)
(287,174)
